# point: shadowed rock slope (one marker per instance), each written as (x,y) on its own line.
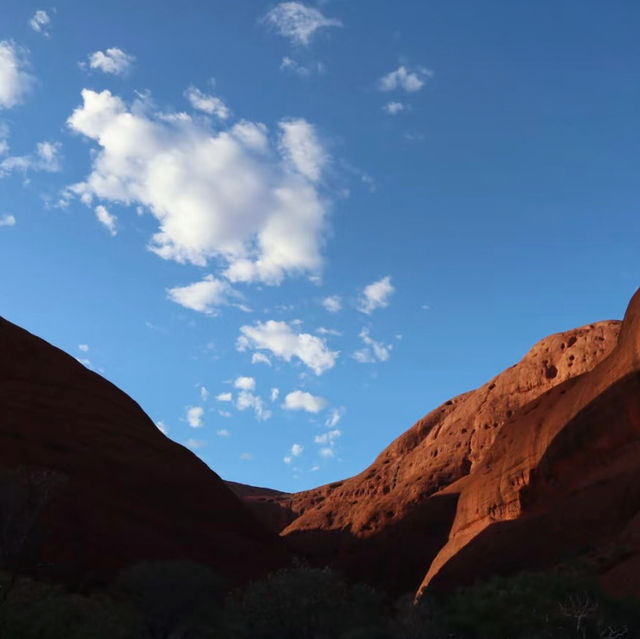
(128,492)
(387,524)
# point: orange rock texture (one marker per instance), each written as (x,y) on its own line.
(128,493)
(562,478)
(387,524)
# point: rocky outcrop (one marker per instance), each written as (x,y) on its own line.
(386,524)
(561,479)
(271,507)
(127,492)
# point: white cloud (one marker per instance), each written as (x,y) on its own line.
(327,438)
(224,413)
(204,394)
(7,220)
(245,383)
(260,358)
(48,154)
(376,295)
(300,146)
(393,108)
(283,342)
(301,400)
(194,444)
(326,452)
(194,416)
(224,397)
(289,64)
(332,303)
(46,158)
(108,220)
(83,347)
(274,394)
(41,22)
(246,456)
(334,417)
(226,194)
(114,61)
(15,82)
(298,22)
(373,351)
(328,331)
(296,451)
(246,399)
(403,78)
(204,296)
(207,103)
(223,432)
(162,427)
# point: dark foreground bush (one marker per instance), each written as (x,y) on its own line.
(184,600)
(305,603)
(35,610)
(540,606)
(174,598)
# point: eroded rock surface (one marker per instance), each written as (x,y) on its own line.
(387,524)
(562,478)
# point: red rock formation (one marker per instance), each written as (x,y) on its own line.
(562,477)
(271,507)
(387,524)
(130,493)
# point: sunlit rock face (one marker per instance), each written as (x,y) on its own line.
(388,523)
(561,479)
(127,493)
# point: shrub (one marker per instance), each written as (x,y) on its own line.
(304,603)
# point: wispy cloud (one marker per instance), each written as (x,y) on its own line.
(7,220)
(46,158)
(207,103)
(296,451)
(15,80)
(376,295)
(373,350)
(205,296)
(333,303)
(113,61)
(298,22)
(40,22)
(334,417)
(109,221)
(409,80)
(304,71)
(393,108)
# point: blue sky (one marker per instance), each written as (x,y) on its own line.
(290,230)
